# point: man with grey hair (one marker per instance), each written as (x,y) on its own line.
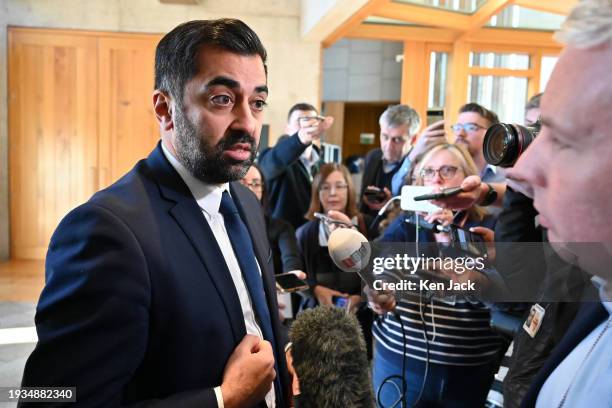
(398,127)
(566,171)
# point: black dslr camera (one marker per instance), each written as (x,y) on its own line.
(504,143)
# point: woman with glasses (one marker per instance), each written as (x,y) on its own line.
(461,349)
(333,196)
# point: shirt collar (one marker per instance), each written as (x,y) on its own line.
(314,158)
(208,196)
(600,284)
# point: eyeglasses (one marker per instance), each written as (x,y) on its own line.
(468,127)
(255,184)
(445,172)
(394,139)
(327,188)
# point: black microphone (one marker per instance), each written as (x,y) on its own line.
(330,359)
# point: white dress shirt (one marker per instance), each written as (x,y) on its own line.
(208,197)
(586,373)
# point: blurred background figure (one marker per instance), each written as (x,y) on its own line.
(399,125)
(290,165)
(281,235)
(333,194)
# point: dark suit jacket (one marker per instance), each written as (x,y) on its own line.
(288,183)
(588,318)
(139,306)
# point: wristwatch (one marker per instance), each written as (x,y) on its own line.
(490,197)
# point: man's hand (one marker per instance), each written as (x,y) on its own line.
(324,295)
(313,129)
(381,302)
(377,205)
(249,373)
(431,135)
(473,193)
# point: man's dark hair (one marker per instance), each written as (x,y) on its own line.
(534,102)
(330,359)
(176,56)
(302,106)
(481,110)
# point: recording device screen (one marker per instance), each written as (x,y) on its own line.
(288,282)
(340,301)
(467,241)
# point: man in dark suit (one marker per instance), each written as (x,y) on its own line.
(398,127)
(567,172)
(159,289)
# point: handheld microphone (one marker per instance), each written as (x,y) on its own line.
(349,249)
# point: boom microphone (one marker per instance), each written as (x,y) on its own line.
(330,360)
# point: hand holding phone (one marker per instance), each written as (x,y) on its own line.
(375,194)
(289,282)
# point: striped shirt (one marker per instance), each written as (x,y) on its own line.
(458,334)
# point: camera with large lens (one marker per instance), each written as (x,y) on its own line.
(504,142)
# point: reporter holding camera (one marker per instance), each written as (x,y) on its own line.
(290,165)
(461,352)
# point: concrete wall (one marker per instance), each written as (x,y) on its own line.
(362,70)
(294,64)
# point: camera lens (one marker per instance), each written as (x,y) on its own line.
(504,143)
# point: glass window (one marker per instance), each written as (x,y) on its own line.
(546,67)
(463,6)
(494,60)
(505,96)
(521,17)
(438,65)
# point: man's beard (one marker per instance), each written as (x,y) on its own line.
(205,161)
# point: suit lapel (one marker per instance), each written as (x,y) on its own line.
(189,217)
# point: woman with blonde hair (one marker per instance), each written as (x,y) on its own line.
(450,347)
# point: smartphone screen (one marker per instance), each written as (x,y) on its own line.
(288,282)
(340,301)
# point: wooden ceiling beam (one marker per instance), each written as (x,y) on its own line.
(423,15)
(401,33)
(351,22)
(485,12)
(533,38)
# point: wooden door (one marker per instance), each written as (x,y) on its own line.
(128,130)
(53,105)
(361,117)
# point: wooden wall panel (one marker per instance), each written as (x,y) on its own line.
(361,117)
(52,133)
(80,116)
(128,130)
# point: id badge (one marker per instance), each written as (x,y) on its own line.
(534,320)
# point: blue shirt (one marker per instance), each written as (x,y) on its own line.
(589,378)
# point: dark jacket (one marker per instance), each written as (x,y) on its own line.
(288,182)
(589,316)
(139,306)
(372,176)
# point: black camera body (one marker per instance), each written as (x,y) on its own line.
(504,142)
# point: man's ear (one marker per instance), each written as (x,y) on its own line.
(162,105)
